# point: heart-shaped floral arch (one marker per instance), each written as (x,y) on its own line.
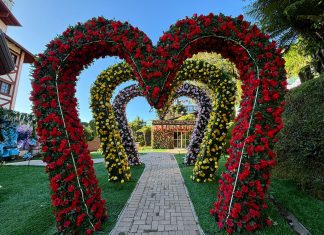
(76,196)
(222,89)
(204,108)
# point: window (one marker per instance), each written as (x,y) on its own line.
(181,139)
(5,88)
(14,58)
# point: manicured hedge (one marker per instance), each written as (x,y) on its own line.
(300,147)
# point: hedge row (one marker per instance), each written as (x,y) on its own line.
(300,147)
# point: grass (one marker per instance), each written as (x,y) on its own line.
(203,204)
(25,199)
(149,149)
(96,155)
(308,210)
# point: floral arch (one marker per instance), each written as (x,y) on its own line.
(76,196)
(194,92)
(223,95)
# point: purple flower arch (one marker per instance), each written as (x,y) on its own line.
(119,108)
(191,91)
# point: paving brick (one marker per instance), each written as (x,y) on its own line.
(161,228)
(159,203)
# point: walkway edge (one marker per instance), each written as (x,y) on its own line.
(190,202)
(126,204)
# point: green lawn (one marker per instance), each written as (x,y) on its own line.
(25,201)
(148,149)
(96,155)
(209,190)
(308,210)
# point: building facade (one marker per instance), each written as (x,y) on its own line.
(9,82)
(171,134)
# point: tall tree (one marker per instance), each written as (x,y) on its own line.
(285,20)
(92,126)
(295,59)
(136,124)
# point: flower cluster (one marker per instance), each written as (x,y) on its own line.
(261,69)
(25,139)
(76,196)
(215,79)
(119,105)
(116,158)
(204,110)
(214,140)
(110,78)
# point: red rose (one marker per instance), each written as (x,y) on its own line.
(245,189)
(44,148)
(67,223)
(71,188)
(155,92)
(80,218)
(252,194)
(238,194)
(229,222)
(268,222)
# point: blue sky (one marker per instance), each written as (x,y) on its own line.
(43,20)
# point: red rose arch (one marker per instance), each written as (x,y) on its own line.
(76,196)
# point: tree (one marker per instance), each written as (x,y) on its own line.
(286,20)
(295,59)
(175,110)
(146,134)
(85,124)
(92,126)
(180,109)
(87,131)
(217,60)
(136,124)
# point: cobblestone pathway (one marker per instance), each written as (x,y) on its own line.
(159,203)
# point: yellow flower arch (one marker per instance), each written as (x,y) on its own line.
(222,91)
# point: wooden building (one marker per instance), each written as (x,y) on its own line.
(9,82)
(171,134)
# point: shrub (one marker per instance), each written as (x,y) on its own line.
(88,133)
(300,147)
(229,136)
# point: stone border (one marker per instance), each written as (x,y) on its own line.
(290,218)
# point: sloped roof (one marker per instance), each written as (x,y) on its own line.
(29,57)
(6,16)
